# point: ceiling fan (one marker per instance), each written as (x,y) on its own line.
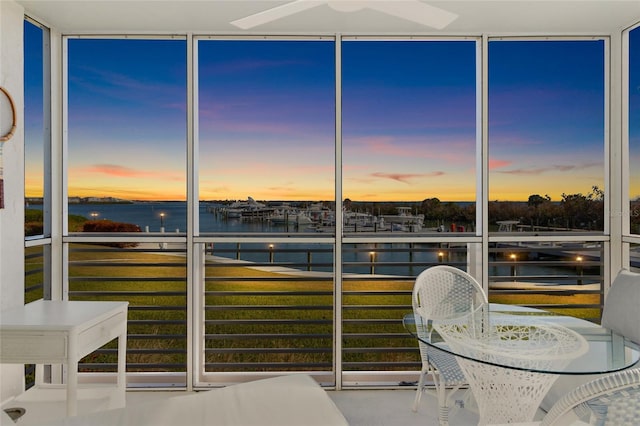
(411,10)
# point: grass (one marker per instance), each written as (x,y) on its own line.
(256,320)
(551,299)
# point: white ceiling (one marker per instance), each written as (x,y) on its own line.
(556,17)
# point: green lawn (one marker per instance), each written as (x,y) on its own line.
(255,319)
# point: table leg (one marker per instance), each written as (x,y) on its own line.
(72,375)
(39,378)
(122,367)
(505,395)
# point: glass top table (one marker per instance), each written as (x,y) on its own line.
(511,355)
(605,352)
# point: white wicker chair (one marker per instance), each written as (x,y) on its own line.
(621,314)
(621,305)
(440,293)
(610,400)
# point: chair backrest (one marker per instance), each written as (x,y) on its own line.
(621,311)
(613,399)
(443,292)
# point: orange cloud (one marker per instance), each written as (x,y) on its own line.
(127,172)
(381,145)
(539,170)
(113,170)
(146,194)
(405,177)
(454,150)
(496,164)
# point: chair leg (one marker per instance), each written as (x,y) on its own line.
(416,401)
(441,394)
(443,406)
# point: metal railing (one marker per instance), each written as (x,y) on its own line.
(566,277)
(153,281)
(271,307)
(34,273)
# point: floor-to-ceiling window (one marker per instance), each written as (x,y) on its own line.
(126,191)
(409,183)
(634,128)
(286,275)
(546,171)
(37,167)
(634,144)
(266,185)
(36,160)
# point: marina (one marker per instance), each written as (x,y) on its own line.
(317,217)
(542,261)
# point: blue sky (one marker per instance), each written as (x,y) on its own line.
(634,113)
(127,118)
(546,117)
(34,166)
(266,118)
(409,120)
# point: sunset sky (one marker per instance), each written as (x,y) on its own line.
(266,119)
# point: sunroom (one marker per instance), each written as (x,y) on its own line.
(263,181)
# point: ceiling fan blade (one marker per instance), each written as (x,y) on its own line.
(416,11)
(276,13)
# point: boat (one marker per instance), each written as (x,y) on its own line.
(290,217)
(249,210)
(507,225)
(321,215)
(404,220)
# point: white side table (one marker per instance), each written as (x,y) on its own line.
(62,332)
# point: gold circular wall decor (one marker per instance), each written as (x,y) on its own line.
(9,134)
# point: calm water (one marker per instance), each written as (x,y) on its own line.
(148,217)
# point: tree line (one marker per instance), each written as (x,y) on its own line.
(573,211)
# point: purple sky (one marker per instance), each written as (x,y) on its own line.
(266,118)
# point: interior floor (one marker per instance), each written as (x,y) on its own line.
(360,407)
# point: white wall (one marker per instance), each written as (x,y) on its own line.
(12,216)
